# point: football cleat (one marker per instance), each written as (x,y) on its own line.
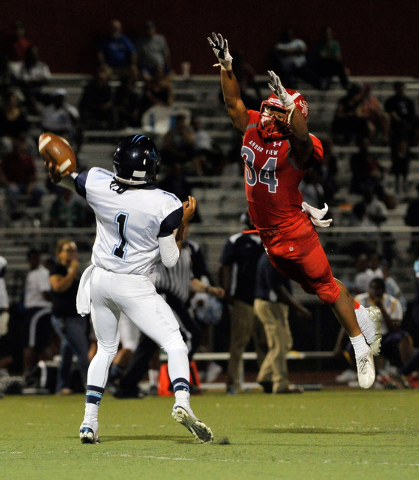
(184,415)
(366,370)
(375,315)
(88,431)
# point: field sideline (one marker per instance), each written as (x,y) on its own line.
(331,434)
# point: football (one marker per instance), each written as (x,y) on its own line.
(56,149)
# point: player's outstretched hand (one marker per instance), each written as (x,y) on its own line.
(220,47)
(54,173)
(189,207)
(276,86)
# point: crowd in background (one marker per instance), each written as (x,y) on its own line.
(131,87)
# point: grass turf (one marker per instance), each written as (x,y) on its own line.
(332,434)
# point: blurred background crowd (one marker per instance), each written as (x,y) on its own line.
(369,127)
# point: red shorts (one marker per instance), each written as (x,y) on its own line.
(295,251)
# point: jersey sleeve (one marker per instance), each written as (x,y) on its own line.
(80,183)
(171,222)
(317,153)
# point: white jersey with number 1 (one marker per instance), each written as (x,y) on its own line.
(128,224)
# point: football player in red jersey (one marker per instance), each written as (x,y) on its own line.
(277,151)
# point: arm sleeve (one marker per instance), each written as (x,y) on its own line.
(69,182)
(169,251)
(171,223)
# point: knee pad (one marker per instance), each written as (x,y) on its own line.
(178,346)
(110,349)
(328,294)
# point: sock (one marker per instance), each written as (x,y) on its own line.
(153,377)
(365,324)
(360,345)
(93,398)
(181,388)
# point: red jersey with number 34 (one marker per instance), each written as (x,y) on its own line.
(272,177)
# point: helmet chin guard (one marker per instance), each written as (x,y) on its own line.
(273,127)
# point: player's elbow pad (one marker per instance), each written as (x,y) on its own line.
(169,251)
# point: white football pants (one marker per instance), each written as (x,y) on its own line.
(135,296)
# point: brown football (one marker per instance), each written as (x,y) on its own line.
(56,149)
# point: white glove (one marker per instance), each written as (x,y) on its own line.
(220,47)
(317,214)
(276,86)
(4,322)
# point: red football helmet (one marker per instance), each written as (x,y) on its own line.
(274,122)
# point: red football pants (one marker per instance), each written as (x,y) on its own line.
(295,251)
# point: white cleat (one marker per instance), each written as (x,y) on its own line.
(375,315)
(366,370)
(184,415)
(88,431)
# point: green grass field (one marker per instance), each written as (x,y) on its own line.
(331,434)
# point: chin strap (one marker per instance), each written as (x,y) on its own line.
(316,214)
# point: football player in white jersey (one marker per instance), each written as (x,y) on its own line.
(138,225)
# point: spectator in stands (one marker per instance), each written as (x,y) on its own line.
(153,53)
(326,61)
(70,210)
(273,297)
(376,209)
(18,44)
(207,158)
(246,76)
(364,276)
(7,77)
(178,142)
(404,122)
(237,275)
(68,324)
(13,121)
(158,90)
(175,181)
(97,110)
(367,173)
(415,305)
(396,344)
(312,189)
(348,121)
(392,287)
(289,61)
(32,77)
(116,51)
(62,118)
(356,243)
(327,170)
(18,175)
(129,102)
(412,219)
(37,329)
(4,299)
(373,111)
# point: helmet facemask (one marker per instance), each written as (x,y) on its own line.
(273,121)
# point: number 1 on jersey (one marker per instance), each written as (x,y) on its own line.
(120,249)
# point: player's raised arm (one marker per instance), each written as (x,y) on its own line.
(302,144)
(229,84)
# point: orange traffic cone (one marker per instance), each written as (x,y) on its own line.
(165,385)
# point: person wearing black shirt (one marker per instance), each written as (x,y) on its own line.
(69,325)
(237,276)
